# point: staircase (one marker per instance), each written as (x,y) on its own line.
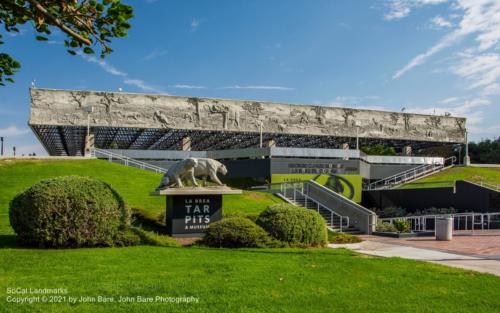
(123,160)
(334,221)
(410,175)
(340,213)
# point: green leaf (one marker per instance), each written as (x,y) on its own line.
(71,52)
(88,50)
(41,38)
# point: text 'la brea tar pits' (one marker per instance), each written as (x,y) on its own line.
(197,212)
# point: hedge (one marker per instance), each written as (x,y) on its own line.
(70,211)
(294,225)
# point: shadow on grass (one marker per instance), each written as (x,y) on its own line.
(8,241)
(140,219)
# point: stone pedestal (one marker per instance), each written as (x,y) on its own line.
(467,160)
(89,145)
(191,209)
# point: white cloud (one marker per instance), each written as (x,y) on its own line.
(440,21)
(449,100)
(143,86)
(182,86)
(478,17)
(13,131)
(259,87)
(485,130)
(104,65)
(447,41)
(398,9)
(469,108)
(156,53)
(194,24)
(482,70)
(126,79)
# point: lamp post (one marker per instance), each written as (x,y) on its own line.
(1,148)
(14,150)
(356,124)
(466,156)
(89,110)
(87,151)
(261,125)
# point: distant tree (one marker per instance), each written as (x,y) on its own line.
(86,23)
(486,151)
(378,149)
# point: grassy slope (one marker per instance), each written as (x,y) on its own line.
(133,184)
(447,177)
(292,280)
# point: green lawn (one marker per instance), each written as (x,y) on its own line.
(448,177)
(223,280)
(133,184)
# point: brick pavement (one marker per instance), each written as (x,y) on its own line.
(482,243)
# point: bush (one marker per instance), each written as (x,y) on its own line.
(251,216)
(236,232)
(127,237)
(402,226)
(341,238)
(70,211)
(294,225)
(385,227)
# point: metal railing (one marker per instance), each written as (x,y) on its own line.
(409,175)
(295,193)
(461,221)
(485,185)
(361,217)
(121,159)
(357,215)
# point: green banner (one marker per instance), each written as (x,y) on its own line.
(349,186)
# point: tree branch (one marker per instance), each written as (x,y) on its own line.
(58,23)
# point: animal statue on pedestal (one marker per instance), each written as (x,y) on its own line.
(190,168)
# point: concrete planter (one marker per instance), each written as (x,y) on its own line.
(404,235)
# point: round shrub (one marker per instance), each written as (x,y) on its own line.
(69,211)
(235,232)
(294,225)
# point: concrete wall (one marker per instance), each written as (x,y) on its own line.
(380,171)
(313,166)
(465,197)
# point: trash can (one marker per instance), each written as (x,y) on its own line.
(444,228)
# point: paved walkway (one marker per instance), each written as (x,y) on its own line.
(485,244)
(384,249)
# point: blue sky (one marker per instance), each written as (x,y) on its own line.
(428,56)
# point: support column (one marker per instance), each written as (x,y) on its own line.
(407,151)
(345,147)
(186,144)
(271,143)
(89,145)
